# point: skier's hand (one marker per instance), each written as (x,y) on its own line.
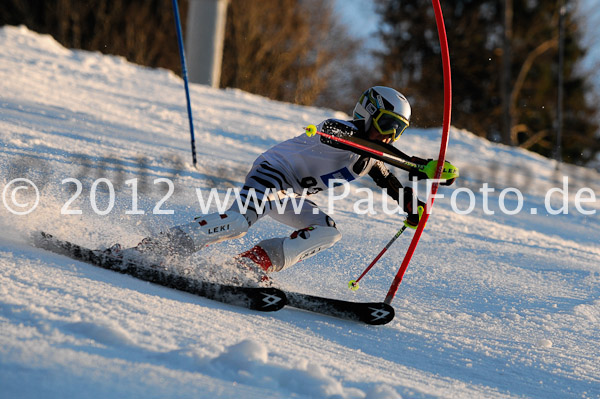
(426,170)
(413,219)
(414,207)
(449,173)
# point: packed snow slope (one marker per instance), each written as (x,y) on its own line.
(493,305)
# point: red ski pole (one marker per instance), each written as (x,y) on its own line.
(353,284)
(311,130)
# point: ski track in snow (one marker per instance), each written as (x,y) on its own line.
(492,306)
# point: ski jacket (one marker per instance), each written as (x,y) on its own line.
(315,163)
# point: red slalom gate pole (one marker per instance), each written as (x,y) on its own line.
(439,18)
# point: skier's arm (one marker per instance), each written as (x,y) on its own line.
(416,167)
(343,130)
(337,128)
(422,168)
(413,206)
(386,180)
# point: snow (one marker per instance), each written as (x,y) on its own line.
(493,305)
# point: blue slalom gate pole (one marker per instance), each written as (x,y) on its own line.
(185,77)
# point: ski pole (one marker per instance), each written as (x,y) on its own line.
(311,130)
(185,78)
(353,284)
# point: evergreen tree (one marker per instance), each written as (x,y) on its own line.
(411,62)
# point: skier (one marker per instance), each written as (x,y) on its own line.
(304,165)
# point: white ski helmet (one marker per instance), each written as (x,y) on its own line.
(386,108)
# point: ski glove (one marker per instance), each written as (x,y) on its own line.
(410,202)
(426,170)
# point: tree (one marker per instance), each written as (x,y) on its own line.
(289,50)
(475,30)
(140,30)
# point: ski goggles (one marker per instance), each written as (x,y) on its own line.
(388,122)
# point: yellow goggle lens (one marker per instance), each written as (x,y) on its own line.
(388,122)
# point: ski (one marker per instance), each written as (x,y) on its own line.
(374,313)
(266,299)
